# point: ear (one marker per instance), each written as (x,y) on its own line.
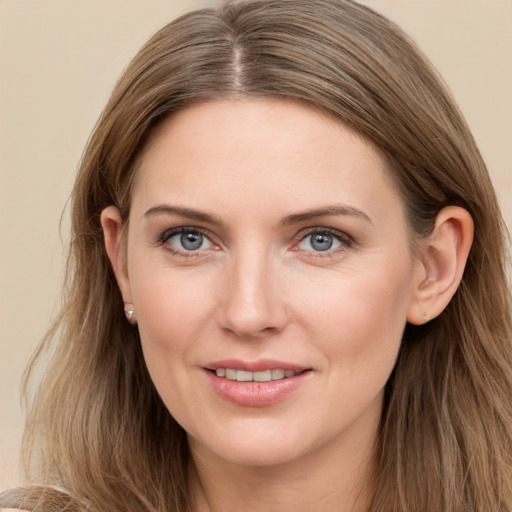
(111,224)
(443,257)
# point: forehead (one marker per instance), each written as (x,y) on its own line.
(264,151)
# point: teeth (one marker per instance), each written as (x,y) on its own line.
(278,374)
(263,376)
(231,374)
(243,376)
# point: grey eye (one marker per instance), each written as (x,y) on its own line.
(189,241)
(320,242)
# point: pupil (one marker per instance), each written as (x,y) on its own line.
(321,242)
(191,241)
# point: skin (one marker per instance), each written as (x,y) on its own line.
(258,288)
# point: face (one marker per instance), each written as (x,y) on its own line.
(270,268)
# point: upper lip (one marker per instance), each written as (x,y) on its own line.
(256,366)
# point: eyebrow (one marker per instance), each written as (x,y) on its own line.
(186,213)
(197,215)
(325,212)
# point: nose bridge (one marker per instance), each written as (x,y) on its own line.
(253,304)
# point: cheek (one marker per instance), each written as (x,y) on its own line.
(169,301)
(173,312)
(363,322)
(173,315)
(362,313)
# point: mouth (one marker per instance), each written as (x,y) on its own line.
(256,384)
(259,376)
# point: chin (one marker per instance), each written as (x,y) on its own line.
(259,448)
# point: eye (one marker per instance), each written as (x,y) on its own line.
(187,240)
(323,240)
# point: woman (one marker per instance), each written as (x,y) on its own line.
(278,288)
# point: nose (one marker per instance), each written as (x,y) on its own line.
(253,304)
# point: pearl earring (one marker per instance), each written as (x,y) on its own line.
(129,311)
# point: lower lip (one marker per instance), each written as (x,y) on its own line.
(256,394)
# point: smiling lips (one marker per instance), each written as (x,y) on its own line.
(255,385)
(248,376)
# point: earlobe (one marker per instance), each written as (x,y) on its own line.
(112,224)
(442,260)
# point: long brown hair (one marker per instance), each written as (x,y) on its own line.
(97,429)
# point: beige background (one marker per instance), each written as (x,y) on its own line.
(58,62)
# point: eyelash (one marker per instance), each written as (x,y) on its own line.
(167,235)
(345,240)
